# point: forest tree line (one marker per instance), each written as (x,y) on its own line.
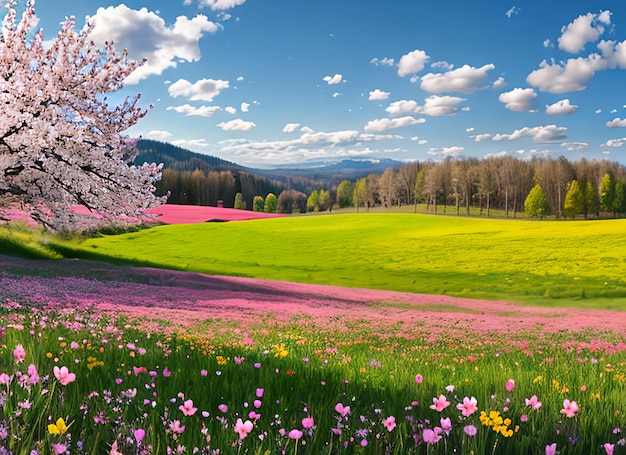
(454,186)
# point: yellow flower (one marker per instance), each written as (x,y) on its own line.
(280,351)
(58,428)
(221,360)
(538,379)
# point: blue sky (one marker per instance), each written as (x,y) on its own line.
(269,82)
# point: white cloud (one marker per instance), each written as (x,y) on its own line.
(382,61)
(613,111)
(333,80)
(575,146)
(188,110)
(434,106)
(191,144)
(465,79)
(218,5)
(562,107)
(518,99)
(378,95)
(230,110)
(442,65)
(547,43)
(446,152)
(584,29)
(511,11)
(384,124)
(482,137)
(158,135)
(290,127)
(615,142)
(202,90)
(571,76)
(541,134)
(500,154)
(245,107)
(469,130)
(499,83)
(598,111)
(306,129)
(236,125)
(616,123)
(411,63)
(145,35)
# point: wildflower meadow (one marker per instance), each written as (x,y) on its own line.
(302,372)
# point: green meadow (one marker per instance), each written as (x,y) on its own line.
(577,263)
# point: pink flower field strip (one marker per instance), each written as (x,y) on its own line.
(149,293)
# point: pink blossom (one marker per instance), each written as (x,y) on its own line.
(523,418)
(139,435)
(257,403)
(260,392)
(341,409)
(551,449)
(5,379)
(167,373)
(446,425)
(243,428)
(470,430)
(63,375)
(33,377)
(570,408)
(254,415)
(223,408)
(187,408)
(308,423)
(389,423)
(468,407)
(19,354)
(510,385)
(419,378)
(609,448)
(176,427)
(440,403)
(533,402)
(58,449)
(431,436)
(295,434)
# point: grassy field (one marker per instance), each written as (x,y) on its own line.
(538,262)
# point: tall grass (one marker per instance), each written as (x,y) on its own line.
(550,262)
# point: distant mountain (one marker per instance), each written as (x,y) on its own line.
(303,176)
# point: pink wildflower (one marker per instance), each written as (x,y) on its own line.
(176,427)
(533,402)
(295,434)
(223,408)
(243,428)
(470,430)
(419,378)
(510,385)
(19,354)
(187,408)
(609,448)
(33,377)
(260,392)
(63,375)
(468,407)
(58,449)
(440,403)
(446,425)
(139,435)
(551,449)
(341,409)
(389,423)
(570,408)
(308,423)
(5,379)
(431,436)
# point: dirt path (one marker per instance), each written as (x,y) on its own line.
(186,298)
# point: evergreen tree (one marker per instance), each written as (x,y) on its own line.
(536,203)
(574,201)
(619,204)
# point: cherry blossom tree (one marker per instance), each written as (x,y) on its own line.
(61,143)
